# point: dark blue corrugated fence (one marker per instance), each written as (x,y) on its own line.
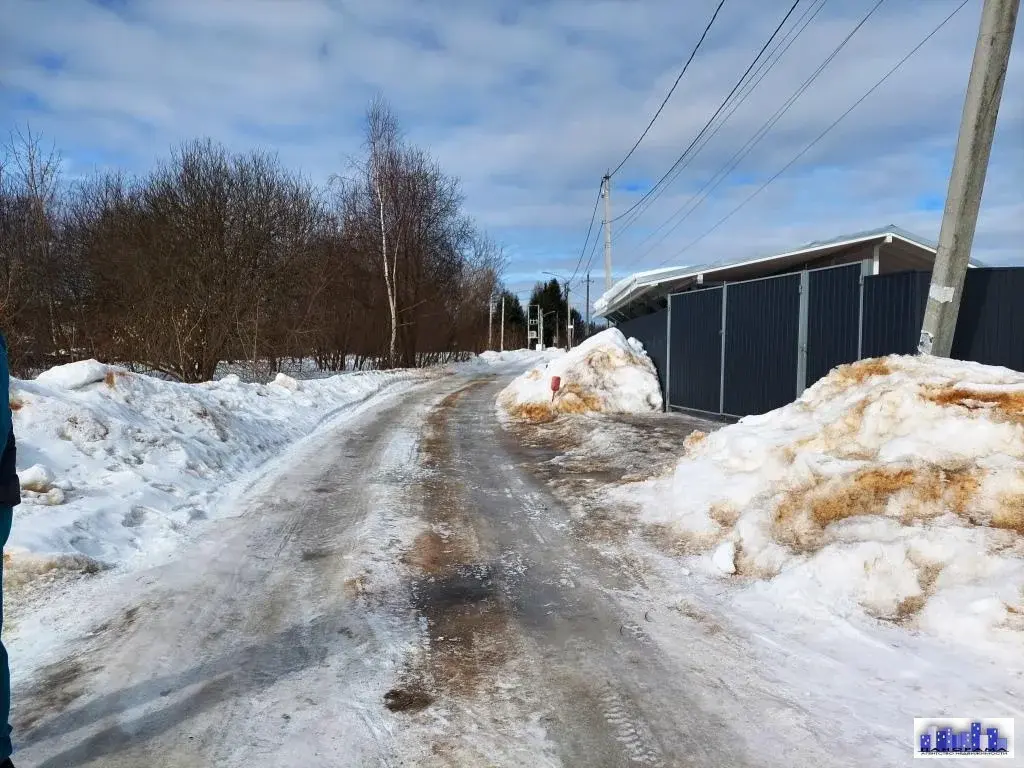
(783,333)
(652,331)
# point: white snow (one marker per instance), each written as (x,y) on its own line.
(510,361)
(73,375)
(116,466)
(36,478)
(607,373)
(724,557)
(892,489)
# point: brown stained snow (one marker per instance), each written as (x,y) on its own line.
(1010,513)
(921,492)
(468,634)
(852,374)
(1004,405)
(909,607)
(35,572)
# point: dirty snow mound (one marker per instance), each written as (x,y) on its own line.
(116,465)
(607,373)
(893,486)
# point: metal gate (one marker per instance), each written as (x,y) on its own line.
(695,350)
(762,329)
(834,305)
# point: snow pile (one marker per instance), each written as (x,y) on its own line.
(115,465)
(893,486)
(607,373)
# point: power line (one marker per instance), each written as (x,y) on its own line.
(583,250)
(671,90)
(760,74)
(821,135)
(717,112)
(722,173)
(593,252)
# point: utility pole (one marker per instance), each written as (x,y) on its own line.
(502,333)
(586,326)
(967,179)
(490,319)
(606,192)
(568,319)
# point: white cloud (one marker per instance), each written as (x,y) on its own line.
(528,103)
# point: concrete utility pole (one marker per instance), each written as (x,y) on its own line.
(490,320)
(502,333)
(967,180)
(606,192)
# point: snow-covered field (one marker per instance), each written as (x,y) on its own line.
(116,466)
(893,489)
(607,373)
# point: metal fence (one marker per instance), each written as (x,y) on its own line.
(749,347)
(652,331)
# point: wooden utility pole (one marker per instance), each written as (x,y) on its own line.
(502,342)
(967,179)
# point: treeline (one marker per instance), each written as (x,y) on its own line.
(215,256)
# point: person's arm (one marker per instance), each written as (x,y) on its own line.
(5,396)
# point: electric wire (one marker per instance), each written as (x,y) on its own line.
(698,198)
(821,135)
(718,111)
(590,228)
(760,74)
(671,90)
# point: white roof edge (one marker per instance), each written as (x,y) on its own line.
(625,286)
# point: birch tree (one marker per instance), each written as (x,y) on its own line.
(383,169)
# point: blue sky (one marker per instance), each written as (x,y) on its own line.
(530,101)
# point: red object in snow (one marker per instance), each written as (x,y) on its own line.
(556,383)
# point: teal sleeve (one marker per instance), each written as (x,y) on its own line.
(5,395)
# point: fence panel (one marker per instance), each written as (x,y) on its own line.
(762,328)
(990,326)
(651,331)
(695,363)
(893,311)
(833,319)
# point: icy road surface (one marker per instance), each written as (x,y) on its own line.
(405,590)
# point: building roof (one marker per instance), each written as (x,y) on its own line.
(658,281)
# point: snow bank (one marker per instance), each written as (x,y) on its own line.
(894,487)
(115,465)
(607,373)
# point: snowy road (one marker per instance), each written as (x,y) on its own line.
(406,591)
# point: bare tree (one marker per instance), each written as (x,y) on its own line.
(216,256)
(384,143)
